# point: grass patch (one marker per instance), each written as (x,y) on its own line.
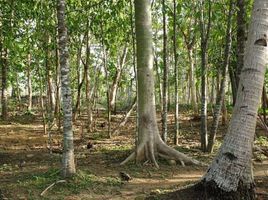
(33,185)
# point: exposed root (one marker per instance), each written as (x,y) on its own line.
(152,156)
(129,158)
(149,150)
(176,155)
(133,155)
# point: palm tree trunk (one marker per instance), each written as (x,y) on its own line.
(230,174)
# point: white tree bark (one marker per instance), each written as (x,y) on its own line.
(68,151)
(231,168)
(150,145)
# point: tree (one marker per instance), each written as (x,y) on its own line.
(165,75)
(230,174)
(241,38)
(68,151)
(176,73)
(221,94)
(149,145)
(205,33)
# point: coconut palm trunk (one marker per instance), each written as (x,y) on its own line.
(230,174)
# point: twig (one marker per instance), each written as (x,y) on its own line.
(50,186)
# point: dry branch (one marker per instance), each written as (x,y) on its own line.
(50,186)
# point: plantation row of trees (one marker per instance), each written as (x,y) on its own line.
(87,55)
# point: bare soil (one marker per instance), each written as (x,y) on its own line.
(27,168)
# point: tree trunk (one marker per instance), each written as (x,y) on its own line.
(124,120)
(150,144)
(87,78)
(80,82)
(205,31)
(241,37)
(231,171)
(68,147)
(57,110)
(4,97)
(224,114)
(264,104)
(159,84)
(192,87)
(50,90)
(165,75)
(176,134)
(114,87)
(29,83)
(221,94)
(233,83)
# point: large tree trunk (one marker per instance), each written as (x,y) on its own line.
(221,94)
(68,147)
(150,144)
(231,171)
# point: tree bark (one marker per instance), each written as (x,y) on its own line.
(150,144)
(80,82)
(231,171)
(241,37)
(116,81)
(165,75)
(4,97)
(57,110)
(205,31)
(29,83)
(68,147)
(87,78)
(50,90)
(176,134)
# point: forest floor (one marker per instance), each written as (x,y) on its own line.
(27,168)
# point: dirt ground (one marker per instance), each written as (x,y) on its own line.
(27,168)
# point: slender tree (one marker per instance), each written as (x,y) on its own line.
(29,82)
(205,33)
(221,94)
(165,75)
(241,37)
(4,70)
(176,73)
(68,147)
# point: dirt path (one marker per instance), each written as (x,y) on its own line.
(26,168)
